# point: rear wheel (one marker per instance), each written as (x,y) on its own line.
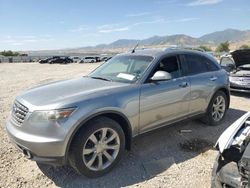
(97,147)
(217,109)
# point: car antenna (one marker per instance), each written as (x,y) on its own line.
(133,51)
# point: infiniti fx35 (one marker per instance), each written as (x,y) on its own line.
(89,121)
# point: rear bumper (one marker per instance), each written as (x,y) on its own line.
(37,148)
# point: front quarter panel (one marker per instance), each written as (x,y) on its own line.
(124,101)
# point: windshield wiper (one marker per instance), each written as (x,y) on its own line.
(101,78)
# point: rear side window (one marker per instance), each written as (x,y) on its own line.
(199,64)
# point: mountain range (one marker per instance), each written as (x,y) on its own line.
(234,36)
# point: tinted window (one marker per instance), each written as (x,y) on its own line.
(199,64)
(211,65)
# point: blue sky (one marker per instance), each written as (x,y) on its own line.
(56,24)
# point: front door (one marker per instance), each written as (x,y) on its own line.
(164,101)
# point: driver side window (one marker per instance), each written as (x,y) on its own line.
(170,65)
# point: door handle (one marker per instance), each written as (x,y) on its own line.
(183,84)
(213,78)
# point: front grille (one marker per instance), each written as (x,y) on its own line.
(19,112)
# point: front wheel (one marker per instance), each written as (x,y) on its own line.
(217,109)
(97,147)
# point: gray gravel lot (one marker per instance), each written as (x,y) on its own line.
(163,158)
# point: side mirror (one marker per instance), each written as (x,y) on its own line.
(161,75)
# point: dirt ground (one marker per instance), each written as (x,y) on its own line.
(163,158)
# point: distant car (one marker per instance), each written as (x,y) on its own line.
(103,58)
(237,64)
(98,59)
(75,59)
(88,60)
(232,165)
(43,61)
(60,60)
(106,58)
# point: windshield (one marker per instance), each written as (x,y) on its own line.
(124,68)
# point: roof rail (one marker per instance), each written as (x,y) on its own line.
(185,48)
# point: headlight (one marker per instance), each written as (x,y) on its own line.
(51,115)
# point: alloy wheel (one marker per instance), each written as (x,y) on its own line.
(101,149)
(219,107)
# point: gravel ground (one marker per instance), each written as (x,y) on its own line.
(163,158)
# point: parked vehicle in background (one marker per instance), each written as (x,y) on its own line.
(238,65)
(103,58)
(88,122)
(88,60)
(232,165)
(107,58)
(98,59)
(60,60)
(75,59)
(43,61)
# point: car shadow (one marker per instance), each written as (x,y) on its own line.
(156,153)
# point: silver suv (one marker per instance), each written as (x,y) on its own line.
(88,122)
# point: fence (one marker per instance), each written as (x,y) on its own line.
(21,59)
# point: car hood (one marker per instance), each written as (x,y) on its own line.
(227,137)
(66,90)
(241,57)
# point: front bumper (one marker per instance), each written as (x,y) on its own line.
(240,84)
(37,148)
(238,89)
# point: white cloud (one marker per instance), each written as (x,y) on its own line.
(185,20)
(110,28)
(139,14)
(149,22)
(80,28)
(91,35)
(17,44)
(204,2)
(161,20)
(24,39)
(114,30)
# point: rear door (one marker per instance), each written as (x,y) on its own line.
(202,77)
(164,101)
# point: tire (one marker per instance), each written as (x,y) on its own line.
(83,142)
(209,118)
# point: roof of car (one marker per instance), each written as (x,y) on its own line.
(159,51)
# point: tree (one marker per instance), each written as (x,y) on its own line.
(205,48)
(223,47)
(9,53)
(244,46)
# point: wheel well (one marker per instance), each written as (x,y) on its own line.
(227,93)
(125,126)
(123,122)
